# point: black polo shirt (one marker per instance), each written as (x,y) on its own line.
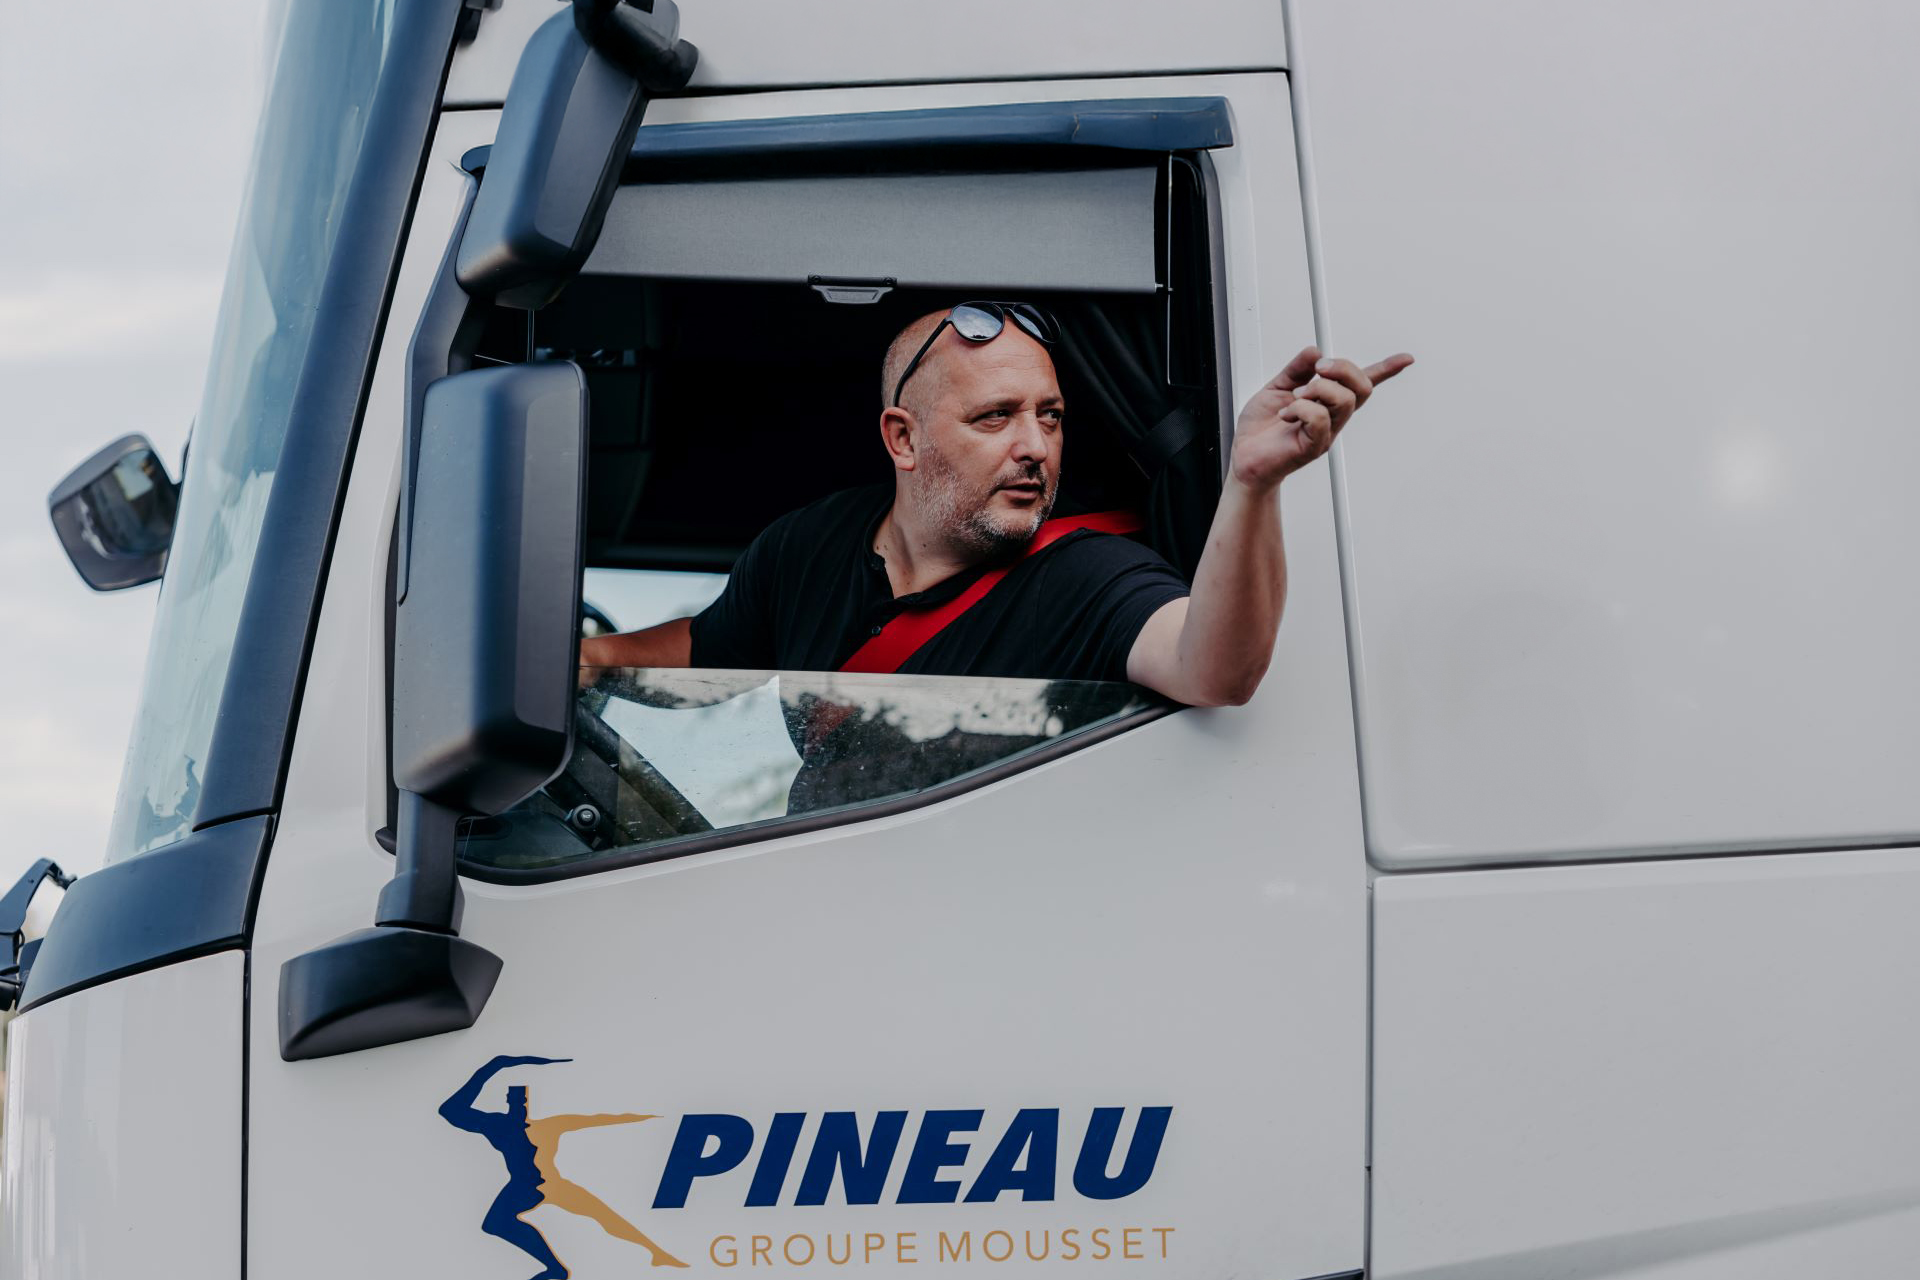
(810,591)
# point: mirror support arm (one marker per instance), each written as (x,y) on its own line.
(425,890)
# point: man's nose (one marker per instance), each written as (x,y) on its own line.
(1030,443)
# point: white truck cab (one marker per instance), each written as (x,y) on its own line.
(1548,912)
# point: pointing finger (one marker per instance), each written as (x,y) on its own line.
(1387,368)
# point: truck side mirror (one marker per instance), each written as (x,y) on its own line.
(486,642)
(114,515)
(486,638)
(569,120)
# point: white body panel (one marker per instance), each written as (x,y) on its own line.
(778,43)
(1632,546)
(1622,572)
(1075,936)
(123,1142)
(1703,1068)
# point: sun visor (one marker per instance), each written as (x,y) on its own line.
(1081,229)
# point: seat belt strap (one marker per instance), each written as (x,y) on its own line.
(911,629)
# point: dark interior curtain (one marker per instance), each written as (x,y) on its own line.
(1161,450)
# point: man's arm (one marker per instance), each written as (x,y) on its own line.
(735,630)
(668,645)
(1212,648)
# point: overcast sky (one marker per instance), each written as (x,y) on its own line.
(124,137)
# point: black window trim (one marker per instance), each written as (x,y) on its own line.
(259,706)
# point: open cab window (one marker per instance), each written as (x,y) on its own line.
(731,324)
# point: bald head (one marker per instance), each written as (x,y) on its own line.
(927,379)
(975,440)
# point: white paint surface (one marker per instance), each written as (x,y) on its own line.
(1633,543)
(776,43)
(122,1158)
(1687,1070)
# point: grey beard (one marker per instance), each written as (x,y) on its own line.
(973,528)
(980,534)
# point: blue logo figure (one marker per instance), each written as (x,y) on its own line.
(529,1147)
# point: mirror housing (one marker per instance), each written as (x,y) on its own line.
(486,643)
(486,640)
(13,928)
(114,515)
(569,120)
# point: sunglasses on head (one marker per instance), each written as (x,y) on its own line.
(982,322)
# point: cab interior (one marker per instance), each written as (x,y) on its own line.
(730,381)
(731,322)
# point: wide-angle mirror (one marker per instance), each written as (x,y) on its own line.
(114,514)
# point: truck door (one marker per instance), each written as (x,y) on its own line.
(1093,993)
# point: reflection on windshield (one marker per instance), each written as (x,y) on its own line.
(665,754)
(329,61)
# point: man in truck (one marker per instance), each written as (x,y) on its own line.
(956,569)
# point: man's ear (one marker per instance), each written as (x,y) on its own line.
(896,433)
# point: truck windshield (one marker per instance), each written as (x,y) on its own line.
(326,63)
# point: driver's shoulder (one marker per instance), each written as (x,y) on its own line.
(1092,554)
(1086,568)
(845,513)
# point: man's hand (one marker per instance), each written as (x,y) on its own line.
(1212,648)
(1296,417)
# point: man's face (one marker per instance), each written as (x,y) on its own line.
(988,441)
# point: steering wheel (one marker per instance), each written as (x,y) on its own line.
(613,795)
(594,621)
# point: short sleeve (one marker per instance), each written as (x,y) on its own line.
(737,630)
(1099,590)
(1139,588)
